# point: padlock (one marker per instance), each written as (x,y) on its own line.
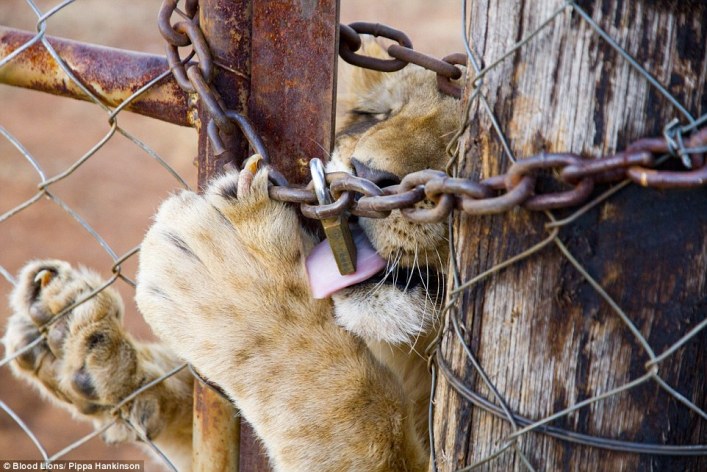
(336,229)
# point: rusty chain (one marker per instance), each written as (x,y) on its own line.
(497,194)
(196,77)
(517,187)
(402,54)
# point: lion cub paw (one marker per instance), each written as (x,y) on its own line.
(81,357)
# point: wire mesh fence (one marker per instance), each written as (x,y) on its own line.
(85,187)
(47,184)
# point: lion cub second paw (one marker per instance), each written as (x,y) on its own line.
(81,357)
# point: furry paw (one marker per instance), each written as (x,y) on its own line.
(214,268)
(84,360)
(222,281)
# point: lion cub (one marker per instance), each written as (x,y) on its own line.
(329,385)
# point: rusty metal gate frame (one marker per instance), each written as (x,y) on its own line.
(257,46)
(288,42)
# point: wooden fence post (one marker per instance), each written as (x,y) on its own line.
(539,328)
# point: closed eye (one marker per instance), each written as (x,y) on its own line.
(376,115)
(361,121)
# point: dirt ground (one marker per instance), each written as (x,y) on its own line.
(117,190)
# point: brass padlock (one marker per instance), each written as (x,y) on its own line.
(337,229)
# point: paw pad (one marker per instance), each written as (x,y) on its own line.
(83,384)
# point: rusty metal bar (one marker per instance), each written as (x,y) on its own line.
(295,44)
(226,28)
(292,105)
(111,74)
(216,431)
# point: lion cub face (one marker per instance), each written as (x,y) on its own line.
(395,124)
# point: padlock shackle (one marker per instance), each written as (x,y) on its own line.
(319,181)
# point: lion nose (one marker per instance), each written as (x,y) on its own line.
(378,177)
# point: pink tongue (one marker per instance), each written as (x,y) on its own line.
(324,276)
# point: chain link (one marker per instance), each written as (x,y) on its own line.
(440,192)
(402,54)
(196,78)
(517,186)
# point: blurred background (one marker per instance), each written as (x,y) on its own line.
(118,189)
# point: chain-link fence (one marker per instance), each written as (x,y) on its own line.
(83,190)
(49,184)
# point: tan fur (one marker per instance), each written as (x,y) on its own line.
(89,363)
(329,385)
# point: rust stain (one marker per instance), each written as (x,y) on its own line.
(227,30)
(609,211)
(216,433)
(111,74)
(293,81)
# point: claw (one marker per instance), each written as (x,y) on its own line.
(253,163)
(43,277)
(245,178)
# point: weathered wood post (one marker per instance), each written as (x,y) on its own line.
(539,329)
